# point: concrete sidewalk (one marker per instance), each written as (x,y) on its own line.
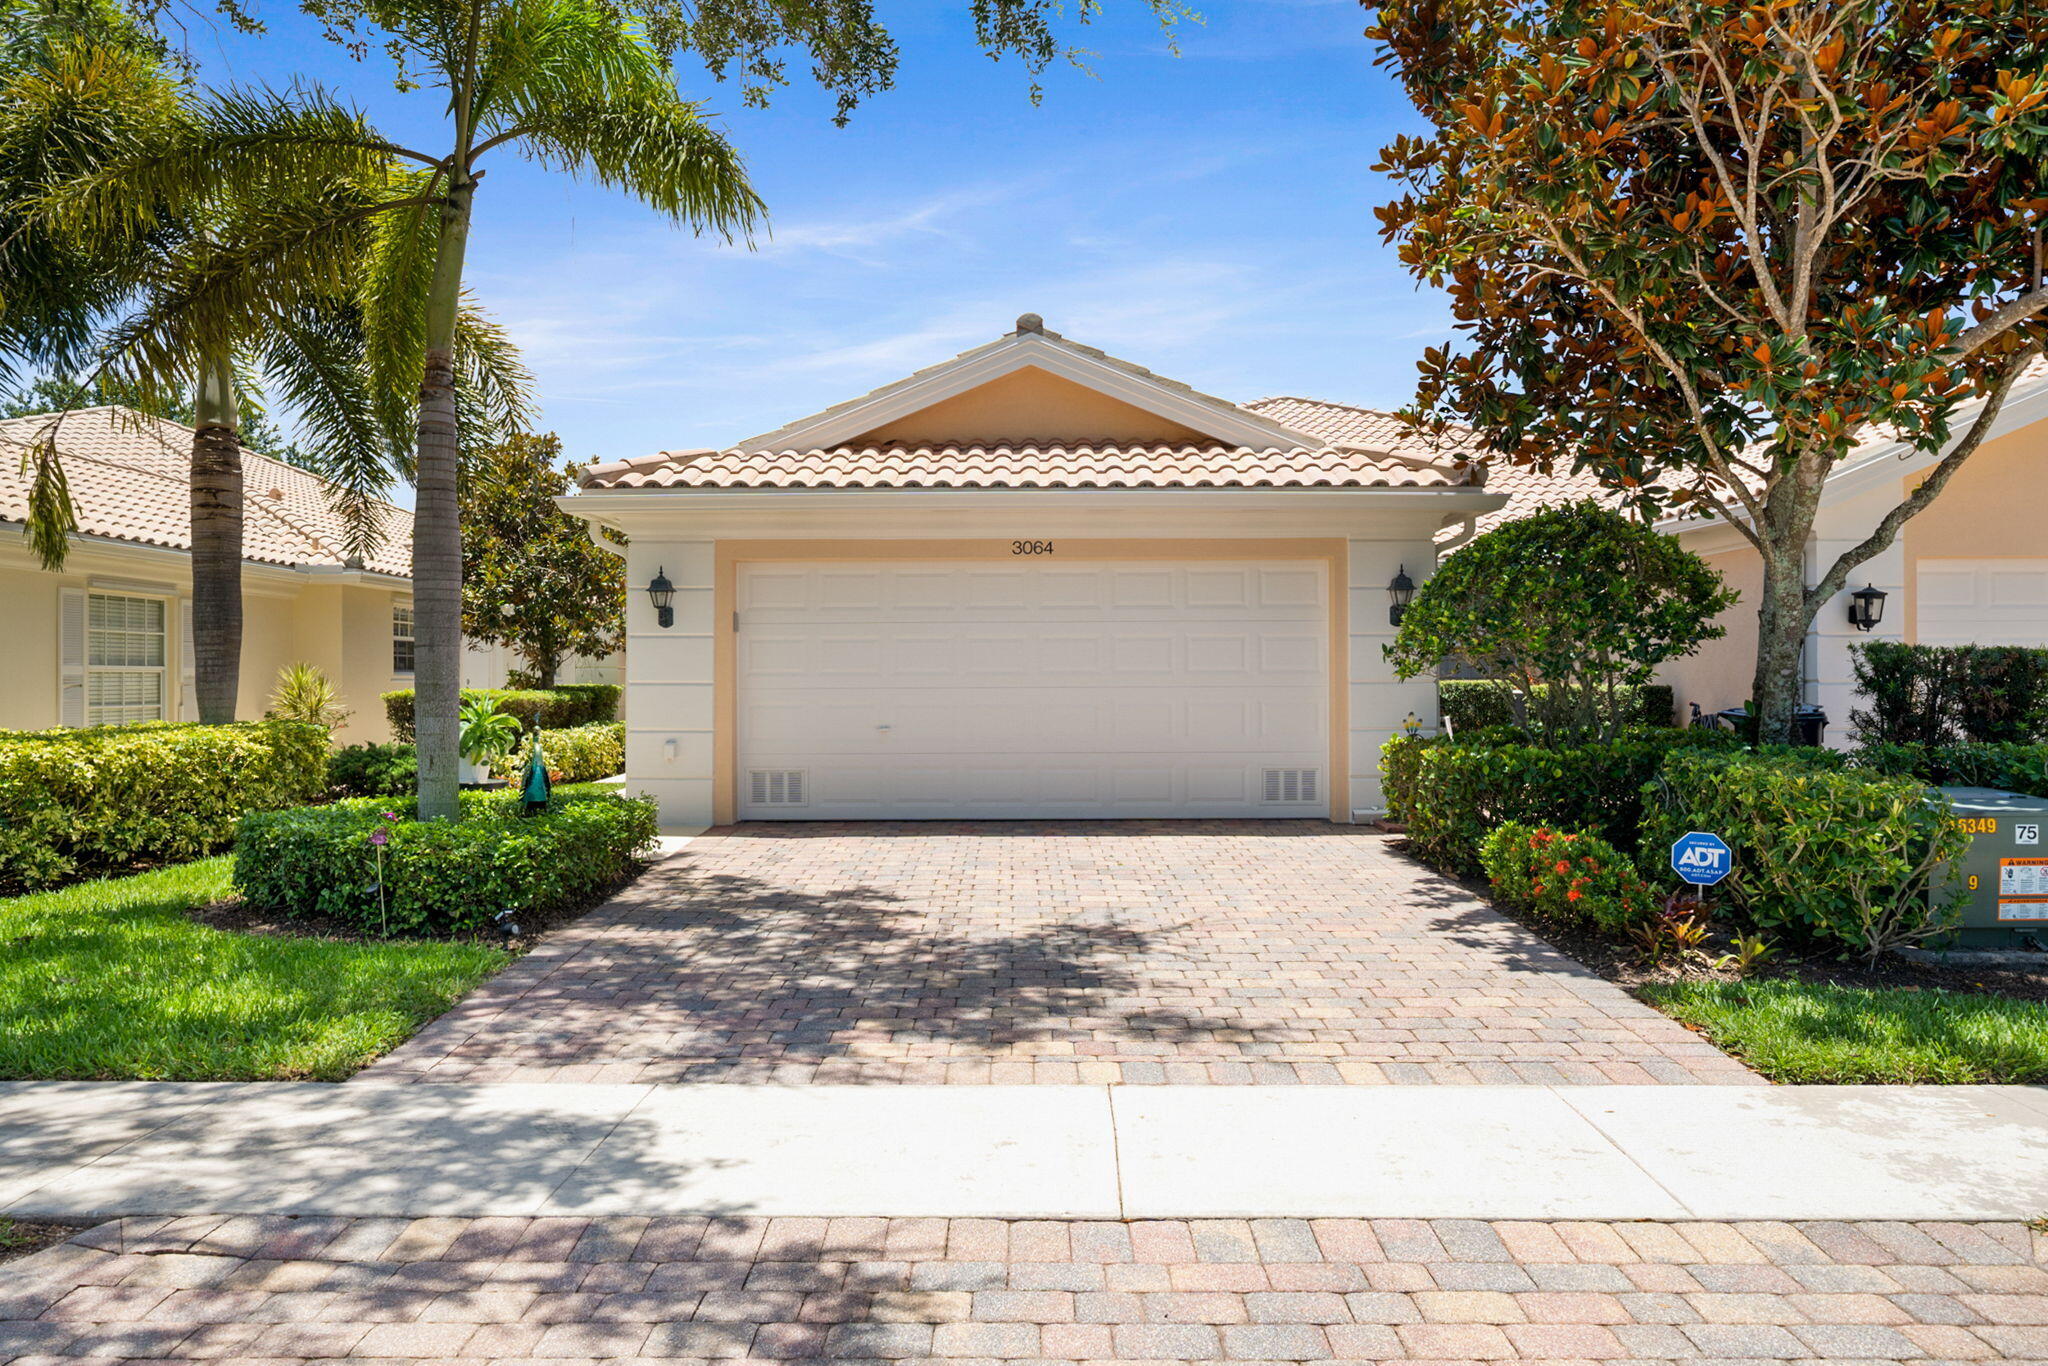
(75,1150)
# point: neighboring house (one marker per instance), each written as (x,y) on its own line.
(1970,568)
(109,639)
(1033,581)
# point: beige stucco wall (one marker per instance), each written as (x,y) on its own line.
(1990,509)
(28,614)
(345,629)
(1720,672)
(1030,403)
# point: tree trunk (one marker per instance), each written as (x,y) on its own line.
(216,480)
(437,533)
(1782,617)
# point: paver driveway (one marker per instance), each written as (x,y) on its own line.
(1133,952)
(875,1291)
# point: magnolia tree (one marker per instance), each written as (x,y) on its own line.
(1696,248)
(1568,611)
(532,577)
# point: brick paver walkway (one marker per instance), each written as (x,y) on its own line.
(1225,952)
(897,1290)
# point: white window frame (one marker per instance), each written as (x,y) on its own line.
(96,716)
(402,613)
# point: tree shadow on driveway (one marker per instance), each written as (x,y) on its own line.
(735,975)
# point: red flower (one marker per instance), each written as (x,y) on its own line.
(1574,894)
(1563,867)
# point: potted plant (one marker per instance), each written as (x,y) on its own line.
(488,735)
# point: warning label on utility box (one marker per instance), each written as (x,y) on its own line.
(2023,889)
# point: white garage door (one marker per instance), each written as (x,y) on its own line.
(937,690)
(1982,602)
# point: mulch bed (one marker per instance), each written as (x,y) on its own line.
(239,917)
(1619,962)
(20,1237)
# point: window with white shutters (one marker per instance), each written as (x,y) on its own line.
(125,650)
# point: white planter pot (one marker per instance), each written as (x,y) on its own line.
(468,773)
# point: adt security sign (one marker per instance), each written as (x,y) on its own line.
(1701,859)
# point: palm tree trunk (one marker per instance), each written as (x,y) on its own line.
(216,480)
(437,531)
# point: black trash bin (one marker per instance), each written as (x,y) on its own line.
(1809,724)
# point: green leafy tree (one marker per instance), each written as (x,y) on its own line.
(532,577)
(1568,611)
(1697,249)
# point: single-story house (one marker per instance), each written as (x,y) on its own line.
(1971,568)
(1032,581)
(109,639)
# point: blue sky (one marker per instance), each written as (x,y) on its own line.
(1208,215)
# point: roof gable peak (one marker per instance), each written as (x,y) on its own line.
(1032,346)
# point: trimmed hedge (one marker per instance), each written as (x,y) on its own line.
(76,801)
(1842,857)
(576,704)
(2012,767)
(439,877)
(1476,704)
(1453,795)
(582,754)
(1566,877)
(373,771)
(1939,694)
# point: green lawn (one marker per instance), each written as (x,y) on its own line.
(109,979)
(1803,1032)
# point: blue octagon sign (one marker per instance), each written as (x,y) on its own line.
(1701,859)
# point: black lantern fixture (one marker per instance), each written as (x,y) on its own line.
(662,594)
(1400,593)
(1866,607)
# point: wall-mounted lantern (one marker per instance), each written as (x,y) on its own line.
(662,594)
(1866,607)
(1400,593)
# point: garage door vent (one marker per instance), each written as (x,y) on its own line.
(1292,784)
(775,787)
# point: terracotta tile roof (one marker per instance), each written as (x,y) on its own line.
(1030,465)
(129,482)
(1344,424)
(1526,489)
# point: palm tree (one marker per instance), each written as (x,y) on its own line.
(182,263)
(568,83)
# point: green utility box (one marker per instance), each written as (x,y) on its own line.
(2005,871)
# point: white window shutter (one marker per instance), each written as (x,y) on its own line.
(188,672)
(71,656)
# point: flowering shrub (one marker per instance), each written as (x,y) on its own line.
(1452,794)
(1566,876)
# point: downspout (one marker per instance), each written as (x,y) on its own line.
(1471,530)
(595,531)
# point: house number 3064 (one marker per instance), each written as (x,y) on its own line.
(1031,547)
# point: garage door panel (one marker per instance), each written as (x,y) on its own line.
(787,724)
(930,691)
(1982,602)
